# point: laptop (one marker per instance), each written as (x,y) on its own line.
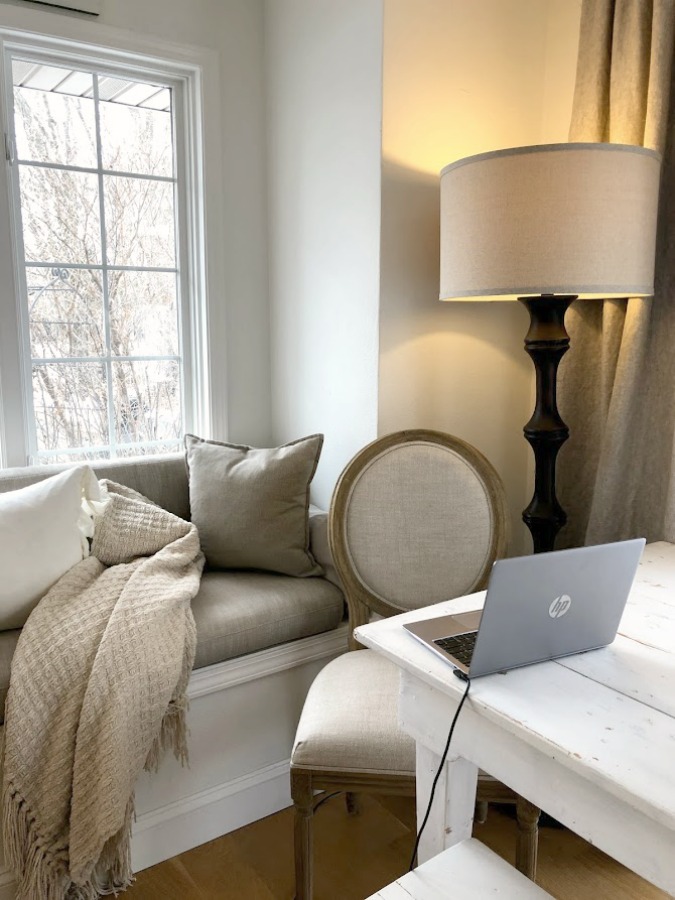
(538,608)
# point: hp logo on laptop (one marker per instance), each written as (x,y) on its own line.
(559,606)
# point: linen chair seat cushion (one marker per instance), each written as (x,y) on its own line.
(349,722)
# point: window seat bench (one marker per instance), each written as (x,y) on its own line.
(261,639)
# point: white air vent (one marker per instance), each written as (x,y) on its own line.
(91,7)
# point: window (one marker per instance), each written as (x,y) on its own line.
(104,256)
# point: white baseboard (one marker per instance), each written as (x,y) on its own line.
(179,826)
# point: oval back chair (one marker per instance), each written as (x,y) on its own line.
(416,517)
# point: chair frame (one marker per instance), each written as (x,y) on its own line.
(306,782)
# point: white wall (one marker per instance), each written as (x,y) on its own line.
(234,28)
(461,78)
(238,310)
(324,99)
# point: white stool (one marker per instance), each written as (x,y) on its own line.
(467,871)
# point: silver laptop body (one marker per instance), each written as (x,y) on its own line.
(541,607)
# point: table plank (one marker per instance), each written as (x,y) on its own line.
(650,611)
(636,670)
(604,735)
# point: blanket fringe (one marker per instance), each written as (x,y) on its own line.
(172,736)
(41,870)
(113,872)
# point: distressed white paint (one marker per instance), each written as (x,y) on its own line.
(467,870)
(451,815)
(590,739)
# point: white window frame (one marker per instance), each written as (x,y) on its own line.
(185,70)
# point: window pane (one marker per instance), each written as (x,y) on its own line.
(76,456)
(71,409)
(100,259)
(136,140)
(65,308)
(143,313)
(127,450)
(54,128)
(60,213)
(139,222)
(147,401)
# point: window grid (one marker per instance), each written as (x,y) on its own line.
(115,446)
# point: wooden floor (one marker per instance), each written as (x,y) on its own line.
(356,855)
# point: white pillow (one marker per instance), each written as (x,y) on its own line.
(43,532)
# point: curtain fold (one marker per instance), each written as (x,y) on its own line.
(617,383)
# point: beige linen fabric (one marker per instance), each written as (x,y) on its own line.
(617,383)
(419,525)
(243,612)
(8,642)
(318,542)
(97,690)
(350,719)
(251,505)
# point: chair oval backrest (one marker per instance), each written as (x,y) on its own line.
(416,517)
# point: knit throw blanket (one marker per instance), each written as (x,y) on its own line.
(97,692)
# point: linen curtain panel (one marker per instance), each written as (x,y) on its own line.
(617,383)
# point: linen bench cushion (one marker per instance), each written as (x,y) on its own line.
(239,612)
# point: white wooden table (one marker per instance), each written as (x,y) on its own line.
(590,738)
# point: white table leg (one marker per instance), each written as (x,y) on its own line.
(451,817)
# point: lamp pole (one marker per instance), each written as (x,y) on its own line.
(546,342)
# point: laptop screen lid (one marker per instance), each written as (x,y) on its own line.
(549,605)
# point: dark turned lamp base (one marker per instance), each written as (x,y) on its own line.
(546,342)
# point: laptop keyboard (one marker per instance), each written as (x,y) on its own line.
(460,646)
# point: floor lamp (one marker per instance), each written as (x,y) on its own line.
(547,225)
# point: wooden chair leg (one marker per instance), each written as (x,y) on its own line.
(527,815)
(352,803)
(303,803)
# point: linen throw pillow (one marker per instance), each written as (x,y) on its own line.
(43,532)
(251,506)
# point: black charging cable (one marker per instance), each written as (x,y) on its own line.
(440,767)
